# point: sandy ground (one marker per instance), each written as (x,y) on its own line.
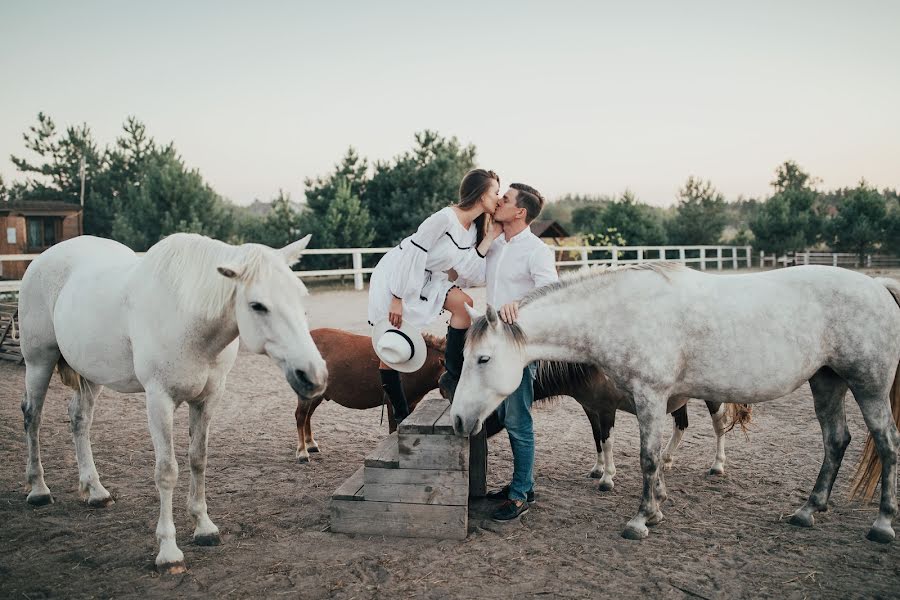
(722,537)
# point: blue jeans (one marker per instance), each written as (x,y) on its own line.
(515,415)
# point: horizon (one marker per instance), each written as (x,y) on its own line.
(581,99)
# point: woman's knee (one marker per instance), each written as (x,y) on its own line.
(457,301)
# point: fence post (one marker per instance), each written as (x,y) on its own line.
(734,258)
(615,256)
(806,257)
(749,252)
(584,259)
(868,261)
(681,255)
(833,259)
(640,255)
(357,266)
(718,258)
(702,259)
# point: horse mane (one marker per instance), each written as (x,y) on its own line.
(482,325)
(435,343)
(554,374)
(597,273)
(185,264)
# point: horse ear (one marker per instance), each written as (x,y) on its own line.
(229,271)
(292,252)
(492,317)
(473,314)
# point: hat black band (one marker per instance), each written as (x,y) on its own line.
(412,347)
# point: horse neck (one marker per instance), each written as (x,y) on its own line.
(555,333)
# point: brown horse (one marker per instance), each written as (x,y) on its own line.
(353,380)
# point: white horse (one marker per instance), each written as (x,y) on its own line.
(663,331)
(166,324)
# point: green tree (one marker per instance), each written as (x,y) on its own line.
(283,224)
(405,191)
(56,175)
(635,221)
(700,215)
(345,223)
(588,219)
(351,171)
(861,223)
(789,220)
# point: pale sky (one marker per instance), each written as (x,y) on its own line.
(570,97)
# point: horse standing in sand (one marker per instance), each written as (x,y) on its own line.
(166,324)
(662,331)
(352,363)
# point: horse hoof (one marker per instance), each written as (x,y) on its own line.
(39,499)
(595,474)
(209,539)
(667,466)
(100,502)
(303,459)
(882,536)
(713,472)
(799,519)
(312,448)
(606,486)
(655,519)
(174,568)
(633,533)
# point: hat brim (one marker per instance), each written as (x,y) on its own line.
(420,351)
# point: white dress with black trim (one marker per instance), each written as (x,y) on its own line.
(416,270)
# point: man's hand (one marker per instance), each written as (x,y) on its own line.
(495,229)
(452,275)
(395,316)
(509,312)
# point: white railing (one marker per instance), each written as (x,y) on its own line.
(719,256)
(834,259)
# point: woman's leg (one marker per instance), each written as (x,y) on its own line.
(393,387)
(456,340)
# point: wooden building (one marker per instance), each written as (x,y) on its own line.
(549,230)
(30,227)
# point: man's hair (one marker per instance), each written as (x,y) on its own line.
(530,199)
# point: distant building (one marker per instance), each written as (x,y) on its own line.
(549,229)
(32,226)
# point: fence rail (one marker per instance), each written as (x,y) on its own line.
(704,257)
(834,259)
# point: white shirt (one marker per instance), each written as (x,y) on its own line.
(514,268)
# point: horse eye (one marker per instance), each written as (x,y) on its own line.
(260,308)
(483,359)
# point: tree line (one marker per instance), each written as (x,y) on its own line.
(138,190)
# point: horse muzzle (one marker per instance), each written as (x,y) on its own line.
(308,383)
(465,427)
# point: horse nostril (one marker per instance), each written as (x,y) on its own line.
(302,378)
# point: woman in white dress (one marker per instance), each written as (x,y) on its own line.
(422,276)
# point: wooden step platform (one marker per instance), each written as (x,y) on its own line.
(416,483)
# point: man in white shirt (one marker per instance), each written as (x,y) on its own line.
(517,262)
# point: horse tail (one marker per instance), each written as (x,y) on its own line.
(868,471)
(740,415)
(68,375)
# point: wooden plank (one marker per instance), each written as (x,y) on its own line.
(417,486)
(352,489)
(423,418)
(478,465)
(428,451)
(444,424)
(401,520)
(385,455)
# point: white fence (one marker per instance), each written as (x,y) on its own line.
(703,257)
(834,259)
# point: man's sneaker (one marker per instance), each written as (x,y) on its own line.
(511,509)
(503,494)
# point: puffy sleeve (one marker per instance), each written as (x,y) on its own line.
(472,270)
(408,278)
(543,266)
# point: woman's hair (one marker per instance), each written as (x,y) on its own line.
(473,186)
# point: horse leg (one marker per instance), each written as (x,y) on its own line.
(300,415)
(205,531)
(680,423)
(81,416)
(607,424)
(876,412)
(828,391)
(311,444)
(650,407)
(596,428)
(160,413)
(719,415)
(37,380)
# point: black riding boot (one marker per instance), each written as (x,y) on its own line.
(453,362)
(390,382)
